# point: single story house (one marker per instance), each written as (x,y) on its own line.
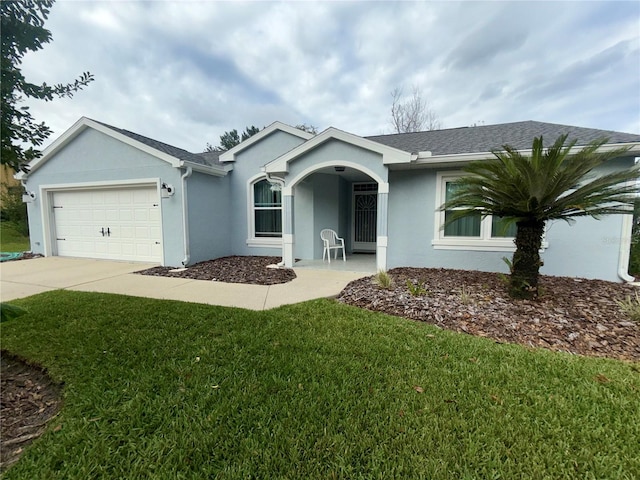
(103,192)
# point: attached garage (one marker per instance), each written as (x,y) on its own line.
(106,193)
(118,223)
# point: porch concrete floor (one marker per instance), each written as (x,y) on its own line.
(356,262)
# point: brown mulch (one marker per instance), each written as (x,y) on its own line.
(572,315)
(233,269)
(28,400)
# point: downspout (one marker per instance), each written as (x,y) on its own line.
(185,216)
(280,182)
(625,247)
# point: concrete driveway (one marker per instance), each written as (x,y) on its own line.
(29,277)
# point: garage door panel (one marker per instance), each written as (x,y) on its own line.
(141,214)
(98,215)
(126,215)
(130,215)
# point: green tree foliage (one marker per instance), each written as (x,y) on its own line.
(14,210)
(548,184)
(230,139)
(23,31)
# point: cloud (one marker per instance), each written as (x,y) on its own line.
(185,72)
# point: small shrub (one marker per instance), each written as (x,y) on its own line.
(631,307)
(504,279)
(465,296)
(383,280)
(509,263)
(416,289)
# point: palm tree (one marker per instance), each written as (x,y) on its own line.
(546,185)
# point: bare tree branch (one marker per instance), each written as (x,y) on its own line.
(413,114)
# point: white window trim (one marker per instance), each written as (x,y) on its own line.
(485,242)
(252,240)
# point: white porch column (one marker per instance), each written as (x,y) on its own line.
(287,228)
(382,238)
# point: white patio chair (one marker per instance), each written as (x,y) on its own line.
(331,241)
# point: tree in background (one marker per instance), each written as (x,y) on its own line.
(412,114)
(548,184)
(230,139)
(23,31)
(307,128)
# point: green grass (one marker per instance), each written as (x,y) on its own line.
(164,389)
(12,241)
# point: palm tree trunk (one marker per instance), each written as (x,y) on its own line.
(526,260)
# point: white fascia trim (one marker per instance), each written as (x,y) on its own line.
(390,155)
(85,123)
(427,160)
(216,171)
(230,155)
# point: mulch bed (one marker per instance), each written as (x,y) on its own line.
(28,400)
(233,269)
(572,315)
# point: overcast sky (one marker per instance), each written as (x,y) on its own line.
(185,72)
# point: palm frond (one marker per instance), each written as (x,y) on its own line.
(547,184)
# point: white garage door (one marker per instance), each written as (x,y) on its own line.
(109,223)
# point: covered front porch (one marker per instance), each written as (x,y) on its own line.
(345,199)
(335,181)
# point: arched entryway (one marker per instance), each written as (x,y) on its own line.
(342,195)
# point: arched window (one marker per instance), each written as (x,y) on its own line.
(265,216)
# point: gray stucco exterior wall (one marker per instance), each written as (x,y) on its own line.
(209,212)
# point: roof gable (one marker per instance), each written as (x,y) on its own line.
(230,155)
(390,155)
(175,156)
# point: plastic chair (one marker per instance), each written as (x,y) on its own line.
(331,241)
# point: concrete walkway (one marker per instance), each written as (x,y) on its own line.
(29,277)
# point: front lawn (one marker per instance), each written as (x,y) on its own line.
(164,389)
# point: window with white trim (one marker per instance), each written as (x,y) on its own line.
(471,232)
(265,214)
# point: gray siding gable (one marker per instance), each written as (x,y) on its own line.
(485,138)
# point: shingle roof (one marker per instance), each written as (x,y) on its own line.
(488,137)
(176,152)
(212,158)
